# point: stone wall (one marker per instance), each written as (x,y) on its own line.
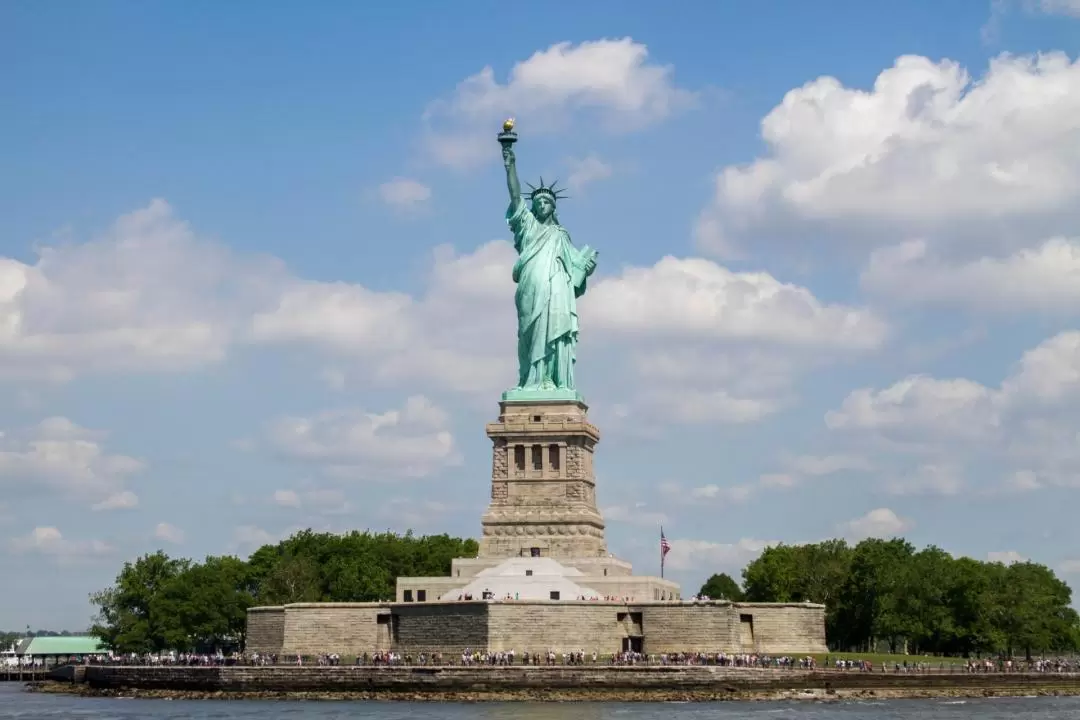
(343,628)
(683,627)
(559,626)
(265,629)
(783,628)
(583,679)
(451,627)
(441,627)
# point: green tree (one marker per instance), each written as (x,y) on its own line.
(158,603)
(773,576)
(129,619)
(722,587)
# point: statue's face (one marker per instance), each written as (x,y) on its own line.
(542,207)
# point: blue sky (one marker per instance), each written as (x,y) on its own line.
(254,274)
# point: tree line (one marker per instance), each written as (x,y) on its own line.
(876,593)
(884,593)
(160,603)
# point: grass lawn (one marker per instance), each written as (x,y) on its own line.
(884,658)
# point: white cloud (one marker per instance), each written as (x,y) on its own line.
(727,494)
(448,338)
(147,295)
(404,193)
(879,523)
(815,465)
(917,406)
(125,500)
(50,542)
(714,345)
(1022,481)
(711,557)
(638,514)
(587,170)
(1007,557)
(925,149)
(705,344)
(1046,278)
(325,501)
(928,479)
(412,442)
(699,299)
(168,533)
(610,79)
(286,498)
(251,537)
(1058,7)
(61,458)
(411,513)
(1027,425)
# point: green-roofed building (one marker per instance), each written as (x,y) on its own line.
(66,646)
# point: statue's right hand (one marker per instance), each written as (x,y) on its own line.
(508,156)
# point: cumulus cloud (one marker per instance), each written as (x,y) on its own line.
(918,405)
(587,170)
(636,514)
(1027,424)
(1045,278)
(413,441)
(714,345)
(404,193)
(251,537)
(928,479)
(416,514)
(449,337)
(125,500)
(712,557)
(58,457)
(732,494)
(1007,557)
(697,298)
(168,533)
(613,81)
(879,523)
(324,501)
(147,295)
(705,344)
(818,465)
(927,148)
(50,542)
(1070,567)
(1057,7)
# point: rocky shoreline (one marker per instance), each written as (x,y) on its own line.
(564,694)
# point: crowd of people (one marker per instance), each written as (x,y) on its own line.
(552,657)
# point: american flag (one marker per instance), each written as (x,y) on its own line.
(665,546)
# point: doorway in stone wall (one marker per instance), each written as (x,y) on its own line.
(746,631)
(383,634)
(633,644)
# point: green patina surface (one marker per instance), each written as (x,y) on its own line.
(550,273)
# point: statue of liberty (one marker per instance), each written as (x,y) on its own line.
(550,274)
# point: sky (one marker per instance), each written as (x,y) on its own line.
(255,274)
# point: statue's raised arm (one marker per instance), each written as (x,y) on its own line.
(550,274)
(513,184)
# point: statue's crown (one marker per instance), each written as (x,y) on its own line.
(553,192)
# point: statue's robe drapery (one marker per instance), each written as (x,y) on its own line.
(550,276)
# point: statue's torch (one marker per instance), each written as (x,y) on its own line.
(508,137)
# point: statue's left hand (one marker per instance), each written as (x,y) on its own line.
(590,264)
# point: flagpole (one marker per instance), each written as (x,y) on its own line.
(661,552)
